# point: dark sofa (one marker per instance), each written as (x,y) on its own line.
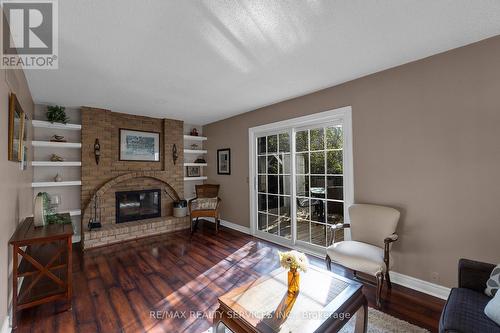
(464,310)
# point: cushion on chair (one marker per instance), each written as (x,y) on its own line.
(493,283)
(492,309)
(204,204)
(372,224)
(464,312)
(358,256)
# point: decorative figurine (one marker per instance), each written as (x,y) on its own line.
(58,178)
(56,158)
(194,132)
(57,138)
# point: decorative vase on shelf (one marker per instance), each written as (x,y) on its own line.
(39,219)
(58,178)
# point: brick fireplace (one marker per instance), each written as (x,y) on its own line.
(113,176)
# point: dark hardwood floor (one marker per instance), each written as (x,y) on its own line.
(116,288)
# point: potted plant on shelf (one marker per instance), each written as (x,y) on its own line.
(57,114)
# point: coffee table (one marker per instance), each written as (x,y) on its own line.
(325,303)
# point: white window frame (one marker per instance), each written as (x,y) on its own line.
(293,125)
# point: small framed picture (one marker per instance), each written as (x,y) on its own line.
(139,146)
(193,171)
(224,161)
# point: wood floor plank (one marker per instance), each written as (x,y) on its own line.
(116,288)
(65,322)
(143,312)
(105,315)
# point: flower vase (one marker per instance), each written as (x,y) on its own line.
(293,281)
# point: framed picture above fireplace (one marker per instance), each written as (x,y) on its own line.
(139,146)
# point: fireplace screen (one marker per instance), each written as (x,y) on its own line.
(137,205)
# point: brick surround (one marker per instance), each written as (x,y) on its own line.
(112,175)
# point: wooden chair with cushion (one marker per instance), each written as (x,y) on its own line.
(206,204)
(372,232)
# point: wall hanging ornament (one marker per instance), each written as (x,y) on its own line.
(97,151)
(175,155)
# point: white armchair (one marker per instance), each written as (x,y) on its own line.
(372,232)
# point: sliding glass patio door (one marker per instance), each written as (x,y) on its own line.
(318,182)
(300,179)
(274,184)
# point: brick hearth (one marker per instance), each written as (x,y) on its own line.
(116,233)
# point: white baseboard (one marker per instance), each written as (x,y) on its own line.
(230,225)
(234,226)
(420,285)
(6,326)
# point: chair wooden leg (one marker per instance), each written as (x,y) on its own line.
(328,263)
(380,283)
(191,222)
(217,221)
(388,279)
(193,229)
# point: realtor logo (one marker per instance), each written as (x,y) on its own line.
(29,34)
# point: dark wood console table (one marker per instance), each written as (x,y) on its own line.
(45,265)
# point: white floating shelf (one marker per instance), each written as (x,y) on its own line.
(195,138)
(55,164)
(48,124)
(195,178)
(56,184)
(50,144)
(194,151)
(196,164)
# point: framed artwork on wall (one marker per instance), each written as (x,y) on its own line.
(193,171)
(139,146)
(224,161)
(16,130)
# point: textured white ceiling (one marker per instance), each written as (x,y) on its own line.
(201,61)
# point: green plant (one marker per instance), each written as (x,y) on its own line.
(57,114)
(51,216)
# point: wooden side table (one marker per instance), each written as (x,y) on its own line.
(45,265)
(325,303)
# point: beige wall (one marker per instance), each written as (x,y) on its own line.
(426,141)
(16,195)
